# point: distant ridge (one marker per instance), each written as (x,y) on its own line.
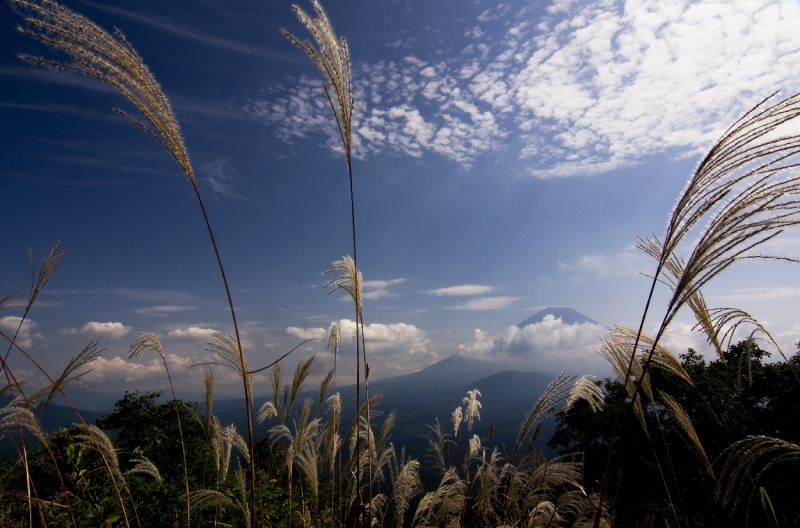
(567,315)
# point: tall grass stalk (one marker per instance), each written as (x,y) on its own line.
(332,55)
(743,192)
(112,60)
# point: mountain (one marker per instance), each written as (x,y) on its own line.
(454,371)
(566,314)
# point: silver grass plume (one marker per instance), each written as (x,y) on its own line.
(10,299)
(661,357)
(335,336)
(472,407)
(437,443)
(95,438)
(71,375)
(112,60)
(50,261)
(618,351)
(144,466)
(229,438)
(475,446)
(554,394)
(745,462)
(146,341)
(457,417)
(406,484)
(719,324)
(742,185)
(333,58)
(684,426)
(15,415)
(266,411)
(584,389)
(350,280)
(226,349)
(324,387)
(441,507)
(275,380)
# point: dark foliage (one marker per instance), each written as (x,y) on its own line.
(660,476)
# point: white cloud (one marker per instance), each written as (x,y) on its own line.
(585,89)
(392,349)
(485,303)
(95,329)
(308,333)
(547,346)
(9,325)
(117,374)
(461,289)
(617,80)
(378,289)
(680,337)
(192,332)
(163,310)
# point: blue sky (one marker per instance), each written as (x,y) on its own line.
(507,156)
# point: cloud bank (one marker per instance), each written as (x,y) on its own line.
(549,346)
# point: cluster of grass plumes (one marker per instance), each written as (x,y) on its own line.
(168,466)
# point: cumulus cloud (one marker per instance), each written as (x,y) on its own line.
(192,332)
(394,349)
(461,289)
(680,337)
(486,303)
(308,333)
(548,346)
(9,325)
(95,329)
(163,310)
(116,374)
(587,88)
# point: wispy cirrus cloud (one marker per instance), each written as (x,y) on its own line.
(585,89)
(170,25)
(163,310)
(461,289)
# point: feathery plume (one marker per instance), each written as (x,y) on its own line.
(472,407)
(333,58)
(457,417)
(144,466)
(350,280)
(585,389)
